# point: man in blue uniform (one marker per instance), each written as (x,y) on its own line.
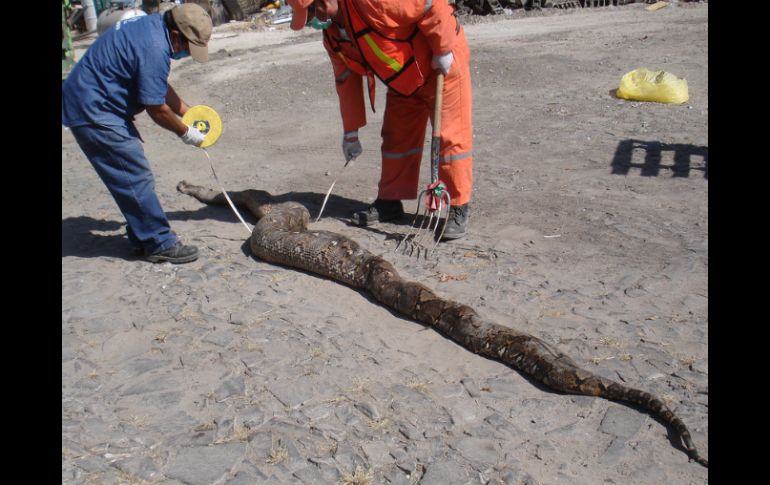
(124,72)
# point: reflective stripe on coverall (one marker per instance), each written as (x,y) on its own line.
(406,117)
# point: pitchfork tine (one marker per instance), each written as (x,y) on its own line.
(434,196)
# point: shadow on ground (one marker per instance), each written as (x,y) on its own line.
(683,157)
(80,237)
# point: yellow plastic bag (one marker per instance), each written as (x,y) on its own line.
(645,85)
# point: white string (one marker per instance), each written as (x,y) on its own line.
(227,196)
(329,192)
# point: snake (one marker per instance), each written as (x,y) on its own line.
(281,237)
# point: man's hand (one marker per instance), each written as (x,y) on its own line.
(193,136)
(351,147)
(442,62)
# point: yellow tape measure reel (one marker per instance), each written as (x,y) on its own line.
(206,120)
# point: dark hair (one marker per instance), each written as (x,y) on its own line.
(171,23)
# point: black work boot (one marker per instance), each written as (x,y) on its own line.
(176,254)
(380,211)
(457,219)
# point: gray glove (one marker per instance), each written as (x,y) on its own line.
(442,62)
(351,147)
(193,136)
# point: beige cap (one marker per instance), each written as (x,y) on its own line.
(195,24)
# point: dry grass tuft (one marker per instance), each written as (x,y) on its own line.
(278,454)
(378,424)
(330,448)
(360,385)
(239,434)
(609,341)
(418,385)
(359,477)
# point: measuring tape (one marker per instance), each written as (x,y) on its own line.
(208,122)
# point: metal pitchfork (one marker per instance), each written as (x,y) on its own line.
(435,199)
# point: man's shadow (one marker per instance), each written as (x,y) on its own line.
(337,207)
(86,237)
(682,153)
(80,237)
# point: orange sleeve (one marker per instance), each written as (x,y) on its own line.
(439,26)
(350,92)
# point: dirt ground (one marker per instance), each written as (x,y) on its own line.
(589,229)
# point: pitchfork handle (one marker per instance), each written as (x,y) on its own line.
(435,141)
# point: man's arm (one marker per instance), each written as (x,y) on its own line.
(165,116)
(350,92)
(175,102)
(439,27)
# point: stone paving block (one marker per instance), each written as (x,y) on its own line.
(614,452)
(202,435)
(260,444)
(448,390)
(213,268)
(250,313)
(119,348)
(529,408)
(517,477)
(87,383)
(317,412)
(204,465)
(377,453)
(348,416)
(394,475)
(478,450)
(233,386)
(107,322)
(562,430)
(503,387)
(480,430)
(368,409)
(544,450)
(501,425)
(244,478)
(249,474)
(90,464)
(409,431)
(141,365)
(251,417)
(472,386)
(292,393)
(317,475)
(347,458)
(583,401)
(448,472)
(621,421)
(174,423)
(404,394)
(162,400)
(463,411)
(220,338)
(189,277)
(139,466)
(69,347)
(651,474)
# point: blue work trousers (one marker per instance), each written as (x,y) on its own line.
(122,166)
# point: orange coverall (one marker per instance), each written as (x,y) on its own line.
(406,117)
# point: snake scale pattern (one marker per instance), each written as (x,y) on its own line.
(281,236)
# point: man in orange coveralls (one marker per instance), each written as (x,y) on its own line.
(402,42)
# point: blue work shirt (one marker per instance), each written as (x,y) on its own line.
(126,68)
